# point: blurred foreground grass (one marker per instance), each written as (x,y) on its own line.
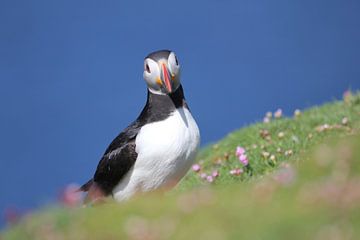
(306,193)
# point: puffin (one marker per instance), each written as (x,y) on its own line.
(157,149)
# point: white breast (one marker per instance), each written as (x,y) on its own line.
(166,150)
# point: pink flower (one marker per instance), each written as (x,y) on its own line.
(347,97)
(266,120)
(12,215)
(243,159)
(210,179)
(239,151)
(203,175)
(215,173)
(278,113)
(236,171)
(196,167)
(347,94)
(70,196)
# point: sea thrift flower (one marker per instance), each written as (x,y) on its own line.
(236,171)
(347,96)
(203,175)
(346,93)
(215,173)
(196,167)
(278,113)
(11,215)
(210,179)
(239,151)
(266,120)
(71,197)
(243,159)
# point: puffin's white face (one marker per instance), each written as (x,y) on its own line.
(162,72)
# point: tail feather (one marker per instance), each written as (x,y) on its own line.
(95,193)
(86,186)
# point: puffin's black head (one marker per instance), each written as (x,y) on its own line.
(162,72)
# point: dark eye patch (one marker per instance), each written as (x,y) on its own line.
(147,68)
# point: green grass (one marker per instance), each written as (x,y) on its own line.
(300,133)
(313,193)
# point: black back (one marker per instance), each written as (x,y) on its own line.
(120,155)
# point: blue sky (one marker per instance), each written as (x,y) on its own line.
(71,74)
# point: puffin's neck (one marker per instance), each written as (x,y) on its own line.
(172,101)
(160,106)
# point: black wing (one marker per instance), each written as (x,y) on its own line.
(117,160)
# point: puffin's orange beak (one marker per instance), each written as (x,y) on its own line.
(166,78)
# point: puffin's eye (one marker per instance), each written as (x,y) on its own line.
(147,68)
(176,61)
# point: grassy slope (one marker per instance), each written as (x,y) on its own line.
(315,199)
(300,133)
